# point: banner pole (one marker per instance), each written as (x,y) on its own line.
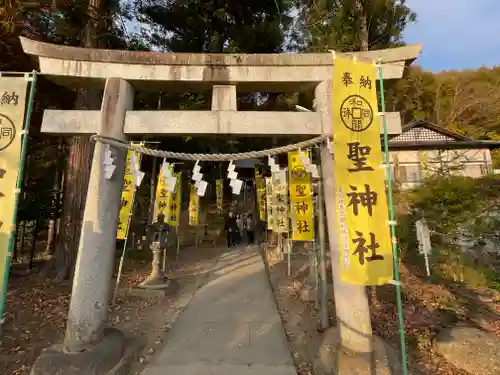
(392,225)
(315,273)
(289,241)
(320,204)
(120,267)
(19,183)
(289,257)
(164,260)
(177,242)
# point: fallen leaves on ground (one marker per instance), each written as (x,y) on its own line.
(36,311)
(35,319)
(427,309)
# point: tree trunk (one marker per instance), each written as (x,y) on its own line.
(21,224)
(53,227)
(51,235)
(362,25)
(77,172)
(19,239)
(33,243)
(77,179)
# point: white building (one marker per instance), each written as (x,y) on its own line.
(423,149)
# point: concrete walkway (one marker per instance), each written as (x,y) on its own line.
(230,327)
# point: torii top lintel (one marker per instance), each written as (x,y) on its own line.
(77,67)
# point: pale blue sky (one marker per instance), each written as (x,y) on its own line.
(456,34)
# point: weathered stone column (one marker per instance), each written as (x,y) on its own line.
(224,98)
(94,266)
(351,303)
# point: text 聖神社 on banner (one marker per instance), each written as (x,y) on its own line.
(280,202)
(194,205)
(128,192)
(260,184)
(219,190)
(301,200)
(168,203)
(364,237)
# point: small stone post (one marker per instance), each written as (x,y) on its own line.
(156,272)
(351,302)
(94,266)
(157,278)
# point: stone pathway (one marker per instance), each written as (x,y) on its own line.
(230,327)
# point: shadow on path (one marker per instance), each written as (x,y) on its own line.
(231,326)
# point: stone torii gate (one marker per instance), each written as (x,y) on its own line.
(91,347)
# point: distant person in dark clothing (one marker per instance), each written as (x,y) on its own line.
(249,224)
(241,226)
(231,229)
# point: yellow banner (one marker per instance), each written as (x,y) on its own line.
(162,199)
(280,202)
(260,186)
(194,206)
(365,241)
(174,203)
(219,190)
(301,199)
(12,104)
(166,203)
(269,203)
(127,197)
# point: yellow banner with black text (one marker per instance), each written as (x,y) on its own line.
(194,206)
(301,199)
(128,193)
(174,206)
(168,204)
(280,202)
(260,186)
(12,107)
(219,190)
(269,204)
(361,201)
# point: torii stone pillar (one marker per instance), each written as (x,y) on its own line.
(351,303)
(88,309)
(92,349)
(225,74)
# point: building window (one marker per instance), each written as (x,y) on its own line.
(473,170)
(484,169)
(409,173)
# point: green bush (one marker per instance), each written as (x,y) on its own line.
(454,207)
(449,203)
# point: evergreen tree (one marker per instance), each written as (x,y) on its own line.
(215,26)
(96,27)
(246,26)
(85,23)
(354,25)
